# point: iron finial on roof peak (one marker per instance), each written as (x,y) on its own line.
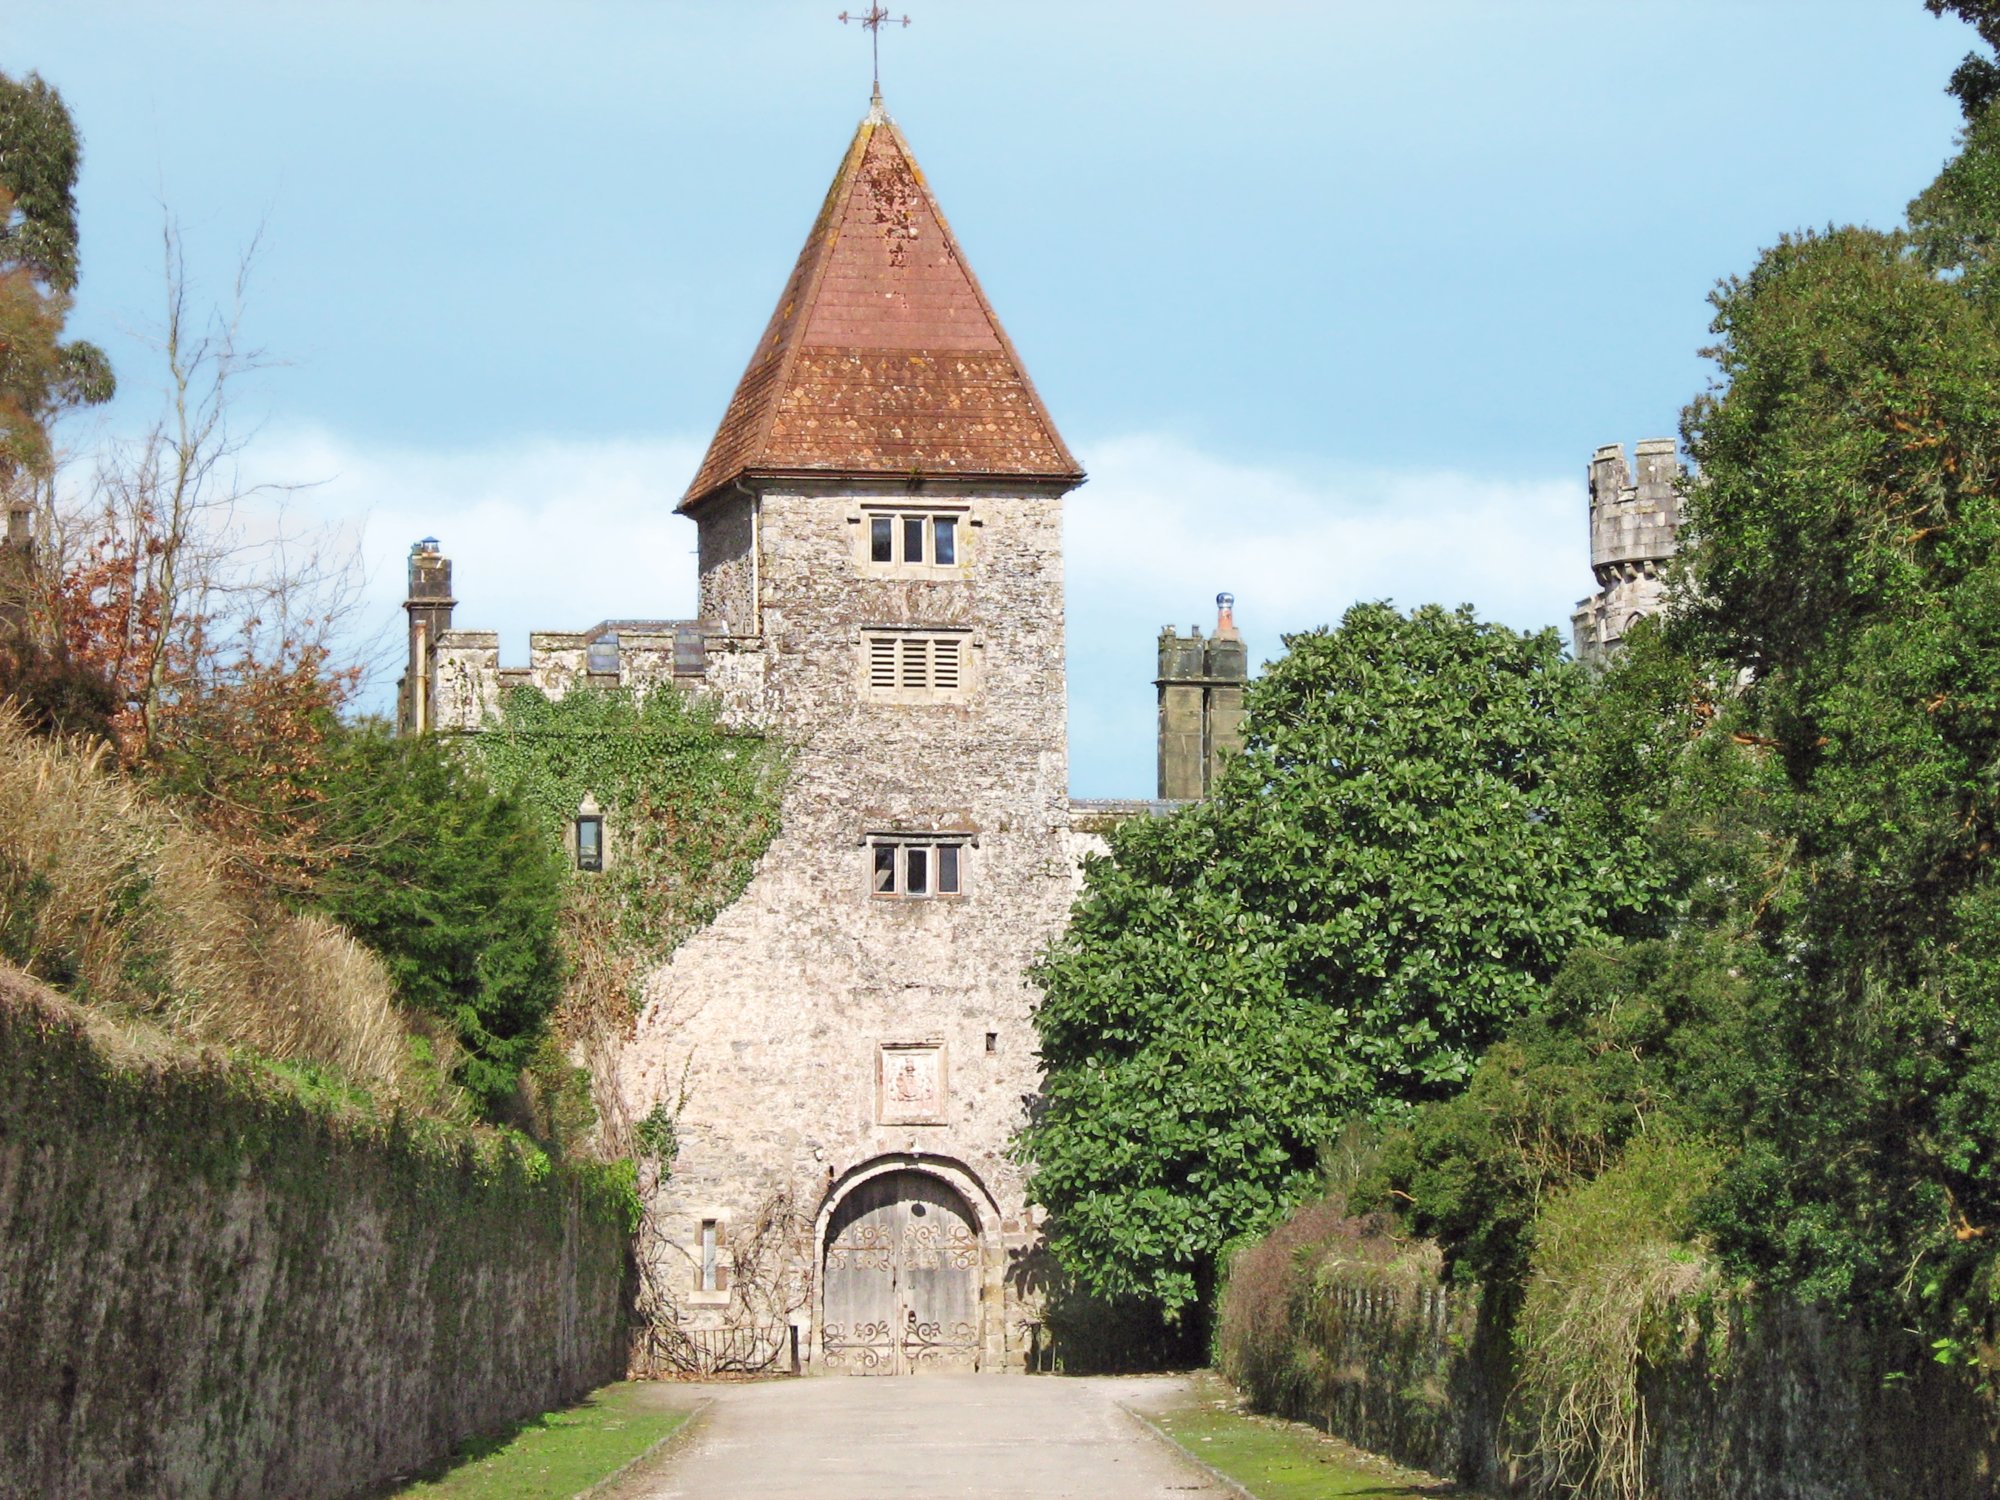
(873,22)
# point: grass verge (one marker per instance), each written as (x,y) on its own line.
(559,1453)
(1274,1459)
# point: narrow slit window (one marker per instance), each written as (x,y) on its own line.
(913,539)
(710,1260)
(944,541)
(947,869)
(590,843)
(885,869)
(881,539)
(918,879)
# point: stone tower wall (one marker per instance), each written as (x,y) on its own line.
(771,1023)
(1634,525)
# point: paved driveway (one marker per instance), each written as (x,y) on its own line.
(842,1438)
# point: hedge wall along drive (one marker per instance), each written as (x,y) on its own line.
(1771,1400)
(211,1287)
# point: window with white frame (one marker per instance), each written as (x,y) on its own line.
(905,538)
(915,665)
(916,867)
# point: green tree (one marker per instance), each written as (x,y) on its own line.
(1382,882)
(39,374)
(1976,83)
(457,889)
(1845,558)
(1659,1038)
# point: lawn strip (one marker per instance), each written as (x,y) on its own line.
(558,1454)
(1272,1459)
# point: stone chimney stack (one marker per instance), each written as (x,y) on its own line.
(1201,703)
(20,525)
(1634,526)
(429,605)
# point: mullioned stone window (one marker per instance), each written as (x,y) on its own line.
(916,869)
(915,542)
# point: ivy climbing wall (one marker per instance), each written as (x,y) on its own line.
(215,1283)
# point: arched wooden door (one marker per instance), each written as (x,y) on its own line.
(901,1279)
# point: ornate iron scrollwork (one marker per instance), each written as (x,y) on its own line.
(936,1344)
(866,1347)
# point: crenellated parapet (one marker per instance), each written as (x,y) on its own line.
(1634,532)
(455,680)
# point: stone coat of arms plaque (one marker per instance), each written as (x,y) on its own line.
(910,1083)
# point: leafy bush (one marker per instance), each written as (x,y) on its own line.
(1611,1281)
(457,890)
(1656,1038)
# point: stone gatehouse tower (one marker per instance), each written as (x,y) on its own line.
(850,1044)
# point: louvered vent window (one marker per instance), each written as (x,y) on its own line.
(908,662)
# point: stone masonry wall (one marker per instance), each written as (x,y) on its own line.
(210,1289)
(769,1023)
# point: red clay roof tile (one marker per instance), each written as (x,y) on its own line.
(883,357)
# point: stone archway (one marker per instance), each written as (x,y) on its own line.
(901,1278)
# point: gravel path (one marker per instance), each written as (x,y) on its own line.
(842,1438)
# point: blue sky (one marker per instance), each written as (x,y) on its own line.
(1333,300)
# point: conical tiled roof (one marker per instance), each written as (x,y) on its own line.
(884,357)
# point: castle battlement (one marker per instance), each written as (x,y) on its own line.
(455,680)
(1634,530)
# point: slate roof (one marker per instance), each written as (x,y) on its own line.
(884,356)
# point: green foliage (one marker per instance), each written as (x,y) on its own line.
(39,375)
(1976,81)
(657,1136)
(39,159)
(1613,1281)
(1810,749)
(689,807)
(1847,559)
(457,889)
(1655,1040)
(1384,879)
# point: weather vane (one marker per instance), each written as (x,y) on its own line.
(875,20)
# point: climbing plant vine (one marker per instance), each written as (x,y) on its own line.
(688,807)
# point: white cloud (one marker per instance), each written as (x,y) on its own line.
(1163,527)
(542,535)
(552,535)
